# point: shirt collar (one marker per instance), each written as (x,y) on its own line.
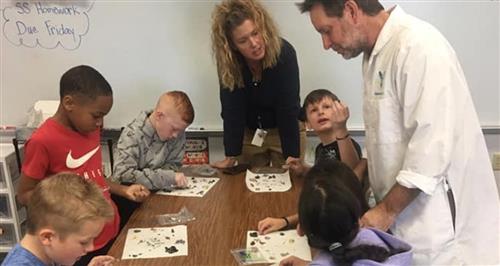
(148,128)
(396,13)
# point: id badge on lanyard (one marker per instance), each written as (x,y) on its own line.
(260,134)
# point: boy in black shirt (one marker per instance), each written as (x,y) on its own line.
(327,116)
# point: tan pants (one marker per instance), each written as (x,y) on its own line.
(270,154)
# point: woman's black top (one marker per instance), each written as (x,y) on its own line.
(272,102)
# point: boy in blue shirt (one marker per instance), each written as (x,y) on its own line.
(59,234)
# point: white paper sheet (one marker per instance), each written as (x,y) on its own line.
(156,242)
(268,182)
(196,187)
(279,245)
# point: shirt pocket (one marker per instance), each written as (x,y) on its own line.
(383,119)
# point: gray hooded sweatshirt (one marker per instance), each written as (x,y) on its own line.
(141,157)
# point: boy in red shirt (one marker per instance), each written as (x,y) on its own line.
(70,141)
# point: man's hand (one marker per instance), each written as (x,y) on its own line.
(384,214)
(378,217)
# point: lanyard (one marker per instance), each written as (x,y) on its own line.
(259,122)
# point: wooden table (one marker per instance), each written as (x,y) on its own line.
(223,216)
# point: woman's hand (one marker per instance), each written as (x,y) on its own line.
(226,163)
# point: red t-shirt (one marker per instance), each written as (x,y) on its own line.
(53,148)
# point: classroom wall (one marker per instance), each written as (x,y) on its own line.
(146,47)
(493,143)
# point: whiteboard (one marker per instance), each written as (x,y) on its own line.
(144,48)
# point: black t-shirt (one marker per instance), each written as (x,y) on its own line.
(331,151)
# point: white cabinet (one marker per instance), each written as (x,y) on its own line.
(11,215)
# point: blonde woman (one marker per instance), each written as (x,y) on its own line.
(259,86)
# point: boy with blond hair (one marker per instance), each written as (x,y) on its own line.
(59,234)
(151,147)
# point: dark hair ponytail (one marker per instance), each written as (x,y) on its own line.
(347,256)
(330,205)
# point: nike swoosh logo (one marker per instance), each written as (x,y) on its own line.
(73,163)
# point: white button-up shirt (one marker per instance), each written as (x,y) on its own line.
(422,129)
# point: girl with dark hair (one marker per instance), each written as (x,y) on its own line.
(330,206)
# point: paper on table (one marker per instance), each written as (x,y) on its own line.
(196,187)
(156,242)
(279,245)
(268,182)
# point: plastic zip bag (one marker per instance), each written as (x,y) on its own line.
(247,256)
(182,217)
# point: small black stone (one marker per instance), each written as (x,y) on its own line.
(171,249)
(253,234)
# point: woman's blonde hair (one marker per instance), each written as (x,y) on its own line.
(229,15)
(64,202)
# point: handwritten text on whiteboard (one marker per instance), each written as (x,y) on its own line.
(46,24)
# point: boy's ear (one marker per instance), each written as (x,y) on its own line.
(158,114)
(308,125)
(46,235)
(68,102)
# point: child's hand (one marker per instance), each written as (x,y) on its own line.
(136,192)
(102,261)
(226,163)
(340,115)
(180,180)
(295,165)
(270,225)
(293,261)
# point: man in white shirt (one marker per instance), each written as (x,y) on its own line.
(428,163)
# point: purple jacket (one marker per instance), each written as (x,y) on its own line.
(375,237)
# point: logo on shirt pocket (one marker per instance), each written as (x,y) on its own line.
(379,86)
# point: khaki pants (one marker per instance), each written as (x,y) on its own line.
(270,154)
